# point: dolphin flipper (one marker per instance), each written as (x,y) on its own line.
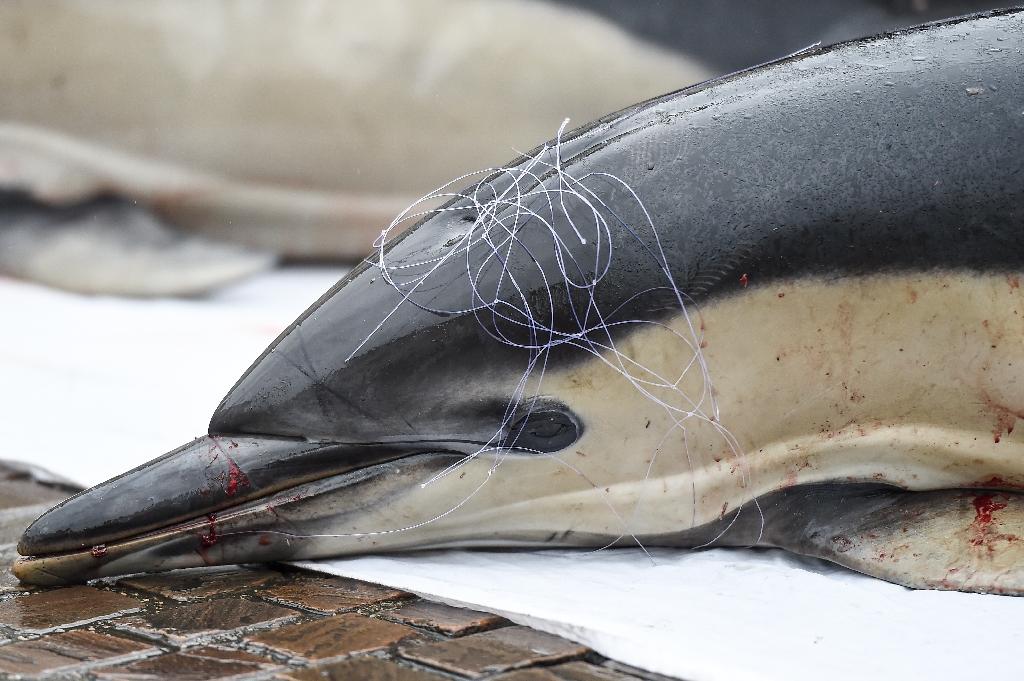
(967,540)
(113,246)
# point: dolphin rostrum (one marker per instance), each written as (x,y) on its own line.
(781,308)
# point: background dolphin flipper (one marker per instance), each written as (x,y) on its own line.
(113,246)
(947,539)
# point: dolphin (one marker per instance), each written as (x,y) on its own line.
(297,129)
(780,308)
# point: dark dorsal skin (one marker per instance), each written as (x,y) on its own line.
(871,156)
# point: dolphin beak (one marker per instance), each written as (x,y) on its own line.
(175,510)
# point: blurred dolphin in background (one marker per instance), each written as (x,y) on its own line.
(133,136)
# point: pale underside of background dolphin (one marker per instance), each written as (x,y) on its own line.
(782,308)
(297,128)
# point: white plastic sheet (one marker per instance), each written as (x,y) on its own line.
(94,386)
(722,614)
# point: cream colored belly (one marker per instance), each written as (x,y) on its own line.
(912,380)
(915,380)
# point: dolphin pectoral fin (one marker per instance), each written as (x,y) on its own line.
(112,246)
(962,540)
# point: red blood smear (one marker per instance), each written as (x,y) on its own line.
(984,507)
(98,551)
(1006,417)
(264,540)
(235,478)
(208,540)
(744,280)
(997,482)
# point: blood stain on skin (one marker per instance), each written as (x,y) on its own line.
(236,478)
(997,482)
(210,538)
(985,508)
(1006,418)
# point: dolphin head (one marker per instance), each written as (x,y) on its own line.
(446,392)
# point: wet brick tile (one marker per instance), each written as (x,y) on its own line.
(362,669)
(195,664)
(66,649)
(573,671)
(196,583)
(334,637)
(635,672)
(220,653)
(494,651)
(65,607)
(331,594)
(181,624)
(446,619)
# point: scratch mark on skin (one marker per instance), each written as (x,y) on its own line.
(234,478)
(323,386)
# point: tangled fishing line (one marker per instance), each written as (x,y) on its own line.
(498,216)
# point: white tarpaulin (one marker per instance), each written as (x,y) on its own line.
(94,386)
(722,614)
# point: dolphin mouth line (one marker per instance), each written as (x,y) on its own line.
(199,525)
(212,538)
(212,476)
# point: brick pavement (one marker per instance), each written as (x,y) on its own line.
(258,622)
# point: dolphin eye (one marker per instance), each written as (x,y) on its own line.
(544,430)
